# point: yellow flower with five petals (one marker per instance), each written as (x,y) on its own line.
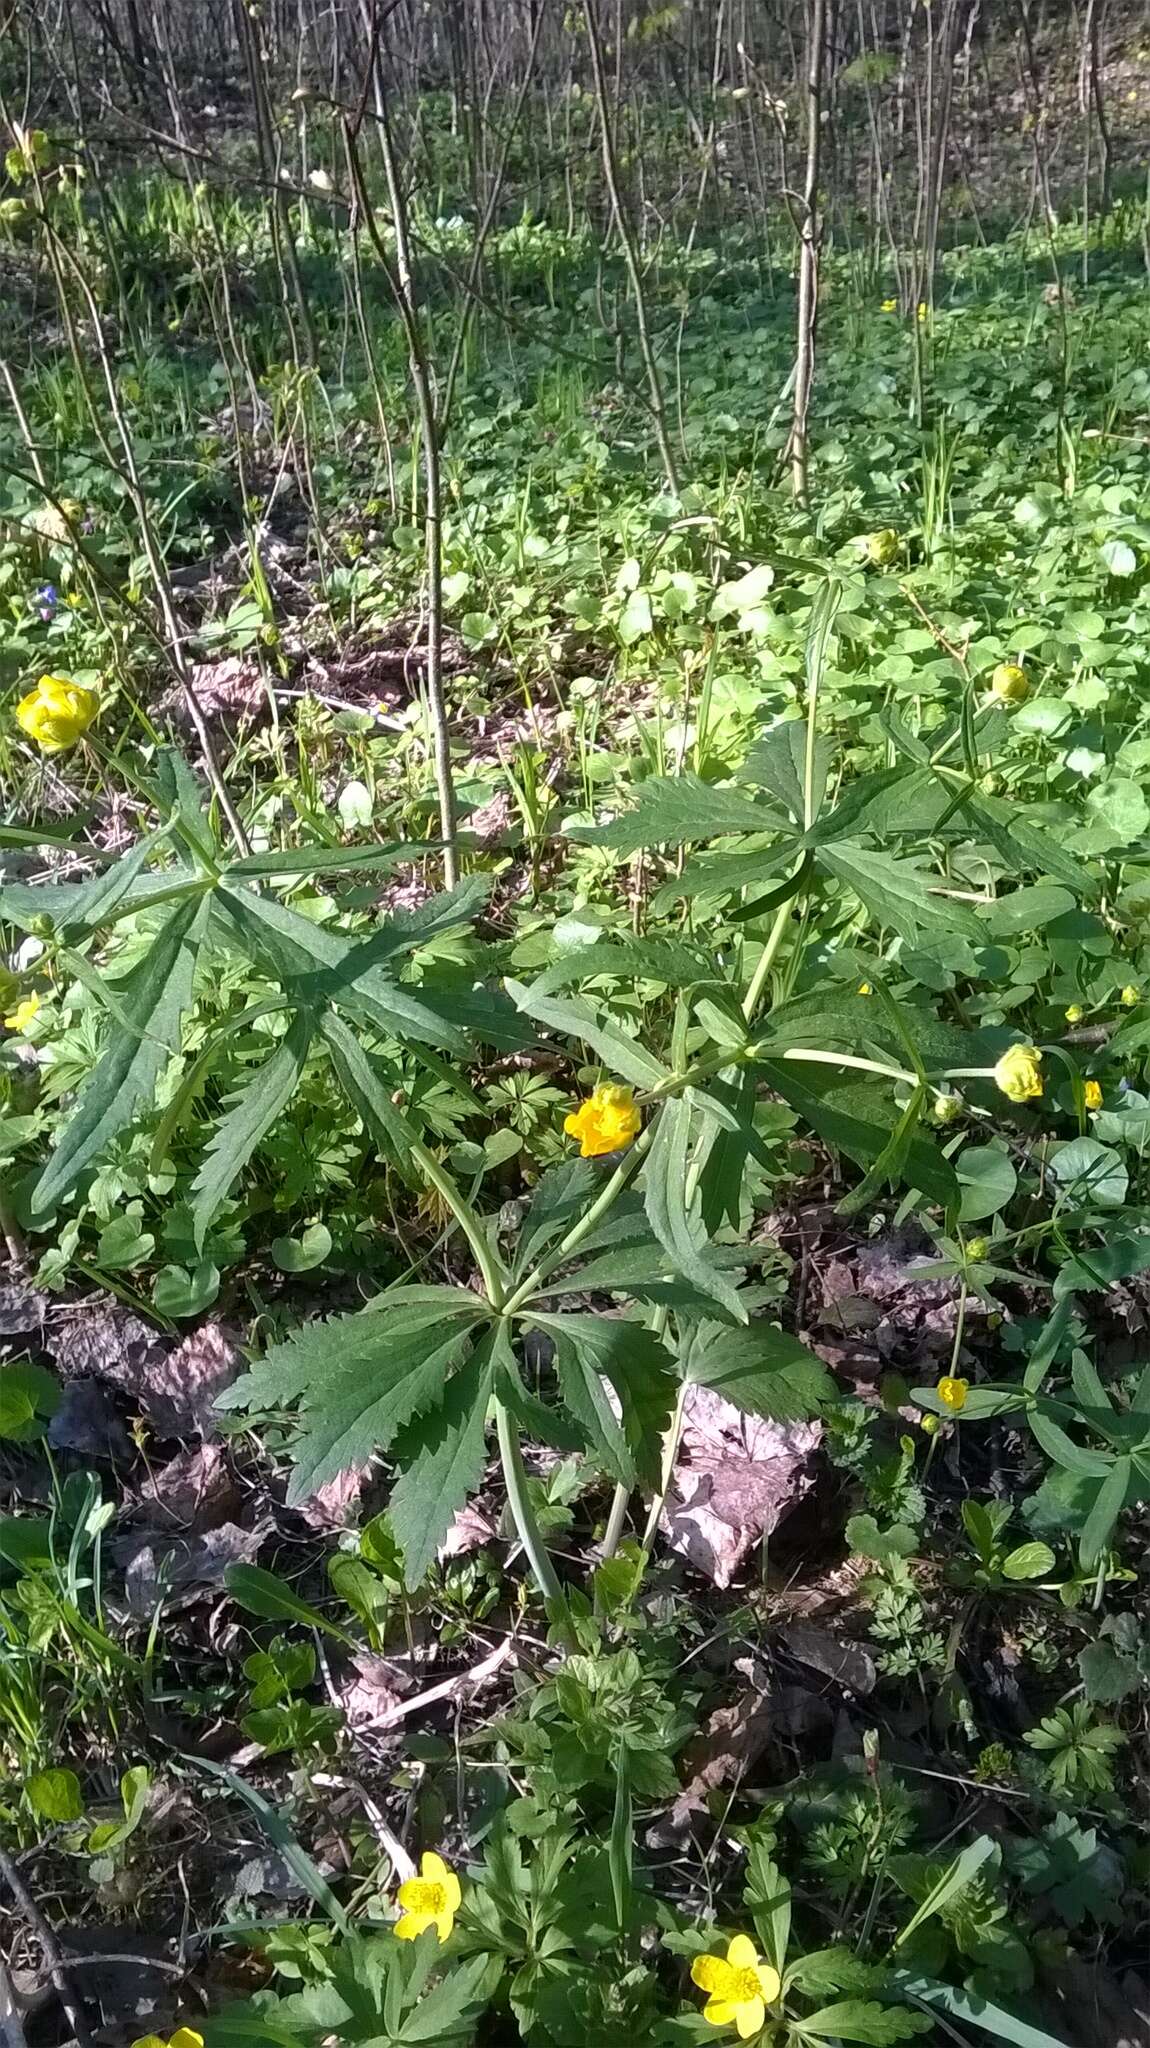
(430,1900)
(56,713)
(607,1120)
(953,1392)
(739,1987)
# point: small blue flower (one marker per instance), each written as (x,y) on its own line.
(46,600)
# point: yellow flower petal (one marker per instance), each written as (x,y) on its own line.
(771,1982)
(720,2011)
(1092,1094)
(23,1014)
(711,1973)
(749,2018)
(186,2037)
(433,1867)
(742,1953)
(953,1392)
(412,1925)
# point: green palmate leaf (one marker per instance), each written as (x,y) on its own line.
(664,1192)
(896,892)
(837,1117)
(25,903)
(591,1349)
(328,969)
(578,1019)
(853,2020)
(153,1000)
(778,762)
(760,1369)
(357,1379)
(677,966)
(670,811)
(441,1455)
(256,1106)
(362,1082)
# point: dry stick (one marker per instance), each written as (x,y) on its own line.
(630,253)
(808,253)
(401,281)
(51,1949)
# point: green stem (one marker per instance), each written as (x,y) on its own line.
(767,959)
(522,1513)
(846,1059)
(579,1232)
(466,1218)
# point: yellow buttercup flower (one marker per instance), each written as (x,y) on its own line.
(930,1425)
(1016,1073)
(56,713)
(1129,996)
(606,1121)
(739,1987)
(865,989)
(22,1015)
(882,547)
(952,1393)
(430,1900)
(889,305)
(1010,683)
(1074,1013)
(184,2037)
(923,309)
(1092,1092)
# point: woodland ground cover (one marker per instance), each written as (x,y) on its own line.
(573,1109)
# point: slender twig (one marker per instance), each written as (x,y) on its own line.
(53,1958)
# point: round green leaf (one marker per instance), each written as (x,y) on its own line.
(55,1795)
(178,1292)
(1092,1175)
(300,1254)
(1117,558)
(987,1179)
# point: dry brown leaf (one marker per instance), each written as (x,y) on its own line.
(194,1491)
(736,1478)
